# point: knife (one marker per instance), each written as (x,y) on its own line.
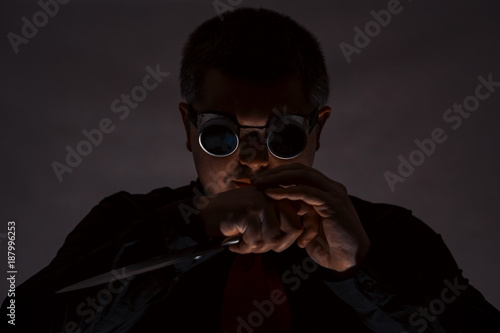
(190,253)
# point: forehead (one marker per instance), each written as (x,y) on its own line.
(251,103)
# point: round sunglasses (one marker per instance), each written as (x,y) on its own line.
(219,134)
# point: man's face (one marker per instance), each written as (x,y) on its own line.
(251,104)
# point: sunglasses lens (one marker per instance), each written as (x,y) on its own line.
(218,140)
(287,142)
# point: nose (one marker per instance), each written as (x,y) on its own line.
(253,150)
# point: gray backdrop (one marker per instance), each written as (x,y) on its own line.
(395,90)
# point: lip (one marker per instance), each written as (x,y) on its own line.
(242,182)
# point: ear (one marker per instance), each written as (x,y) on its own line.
(183,108)
(323,115)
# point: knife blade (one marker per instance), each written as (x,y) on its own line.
(190,253)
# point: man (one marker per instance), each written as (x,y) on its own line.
(310,258)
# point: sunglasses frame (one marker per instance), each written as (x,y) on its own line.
(199,119)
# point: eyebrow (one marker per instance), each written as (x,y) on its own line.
(234,117)
(235,120)
(212,111)
(217,112)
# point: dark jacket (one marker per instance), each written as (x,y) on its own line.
(409,281)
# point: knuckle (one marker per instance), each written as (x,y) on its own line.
(253,244)
(273,242)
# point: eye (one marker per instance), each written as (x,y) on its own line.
(288,142)
(218,140)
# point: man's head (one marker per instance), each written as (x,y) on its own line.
(252,66)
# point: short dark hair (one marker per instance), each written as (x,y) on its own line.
(255,44)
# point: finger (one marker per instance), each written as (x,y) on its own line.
(286,177)
(271,232)
(302,207)
(298,174)
(317,251)
(311,222)
(285,167)
(228,229)
(310,195)
(290,225)
(251,238)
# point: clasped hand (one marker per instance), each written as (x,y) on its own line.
(291,203)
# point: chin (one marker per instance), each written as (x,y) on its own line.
(214,187)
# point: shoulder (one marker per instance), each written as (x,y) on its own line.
(388,219)
(126,203)
(116,213)
(399,238)
(370,212)
(400,234)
